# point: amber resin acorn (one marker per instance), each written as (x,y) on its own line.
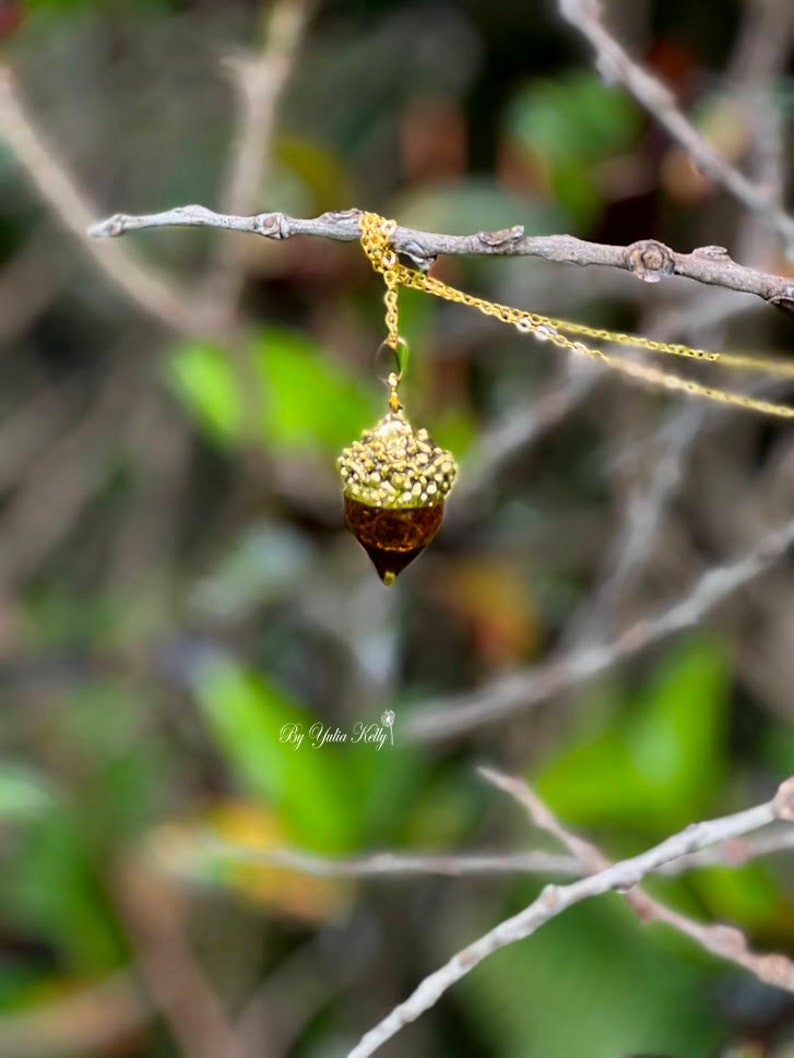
(395,482)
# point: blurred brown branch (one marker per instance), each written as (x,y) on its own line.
(459,714)
(555,899)
(150,289)
(153,916)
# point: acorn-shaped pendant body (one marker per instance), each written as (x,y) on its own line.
(395,482)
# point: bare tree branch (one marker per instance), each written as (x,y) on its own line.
(726,942)
(555,899)
(615,65)
(649,260)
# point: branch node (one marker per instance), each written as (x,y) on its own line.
(624,887)
(499,239)
(107,229)
(783,802)
(271,225)
(549,896)
(712,252)
(783,300)
(342,214)
(650,260)
(776,970)
(730,939)
(417,256)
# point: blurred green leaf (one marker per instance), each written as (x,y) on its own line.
(576,116)
(677,730)
(569,125)
(307,402)
(52,889)
(24,793)
(658,761)
(593,983)
(390,784)
(746,895)
(454,429)
(310,402)
(450,805)
(202,377)
(309,787)
(777,746)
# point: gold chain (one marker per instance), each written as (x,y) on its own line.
(376,233)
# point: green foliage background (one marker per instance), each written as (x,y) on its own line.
(177,586)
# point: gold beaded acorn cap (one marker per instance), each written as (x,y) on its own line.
(395,481)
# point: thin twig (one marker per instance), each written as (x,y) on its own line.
(259,81)
(616,66)
(459,714)
(397,864)
(732,853)
(635,540)
(736,851)
(555,899)
(649,260)
(723,941)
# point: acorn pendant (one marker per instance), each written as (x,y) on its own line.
(395,482)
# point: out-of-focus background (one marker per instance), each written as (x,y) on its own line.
(176,583)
